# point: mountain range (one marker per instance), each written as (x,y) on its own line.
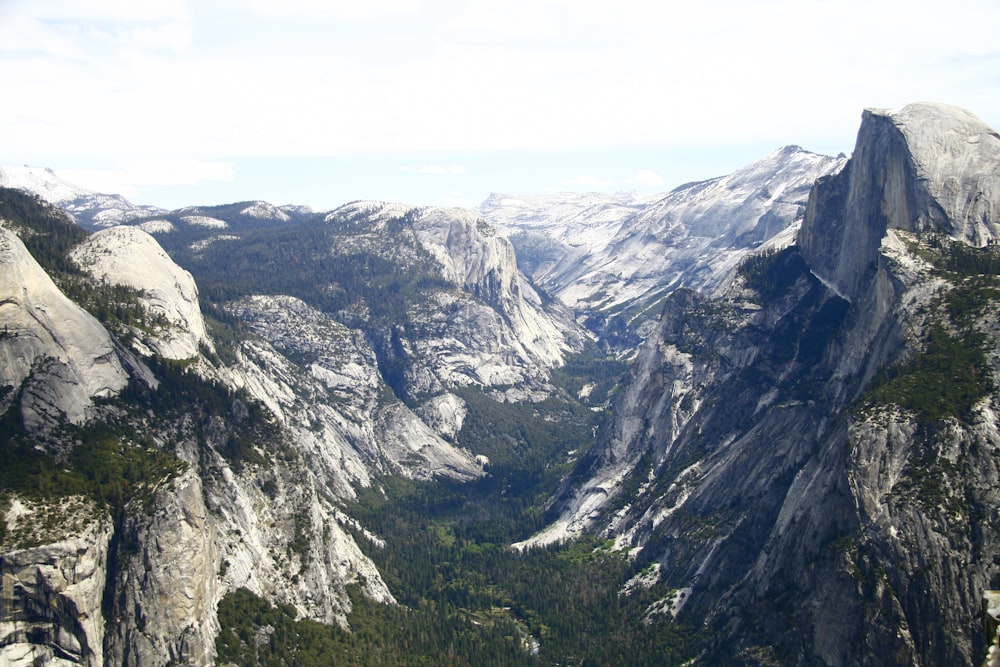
(764,404)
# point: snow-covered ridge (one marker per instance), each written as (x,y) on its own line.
(91,209)
(205,221)
(378,210)
(264,211)
(42,181)
(609,253)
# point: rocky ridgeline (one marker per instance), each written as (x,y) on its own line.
(618,255)
(804,448)
(816,508)
(264,516)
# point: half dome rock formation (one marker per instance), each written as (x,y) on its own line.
(809,456)
(925,167)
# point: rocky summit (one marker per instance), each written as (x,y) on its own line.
(750,421)
(791,454)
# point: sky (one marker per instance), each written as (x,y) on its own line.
(441,102)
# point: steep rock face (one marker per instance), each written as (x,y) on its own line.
(54,356)
(277,530)
(167,588)
(333,398)
(51,594)
(476,322)
(199,540)
(272,524)
(923,167)
(809,530)
(132,258)
(474,257)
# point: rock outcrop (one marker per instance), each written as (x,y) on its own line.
(475,258)
(812,517)
(55,358)
(51,594)
(922,168)
(130,257)
(333,399)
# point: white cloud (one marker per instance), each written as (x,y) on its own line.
(648,178)
(458,201)
(97,10)
(333,9)
(132,176)
(118,79)
(595,182)
(171,36)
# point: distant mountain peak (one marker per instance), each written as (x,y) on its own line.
(91,209)
(42,181)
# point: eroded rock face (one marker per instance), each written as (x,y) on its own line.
(336,403)
(166,587)
(51,594)
(474,257)
(798,524)
(55,358)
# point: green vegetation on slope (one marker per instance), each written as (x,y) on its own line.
(950,373)
(108,459)
(468,598)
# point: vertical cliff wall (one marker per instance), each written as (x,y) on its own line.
(922,168)
(809,459)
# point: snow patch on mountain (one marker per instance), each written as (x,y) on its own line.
(42,182)
(612,253)
(205,221)
(264,211)
(91,209)
(157,226)
(377,210)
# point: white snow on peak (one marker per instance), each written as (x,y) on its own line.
(41,181)
(605,252)
(367,208)
(264,211)
(585,220)
(204,221)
